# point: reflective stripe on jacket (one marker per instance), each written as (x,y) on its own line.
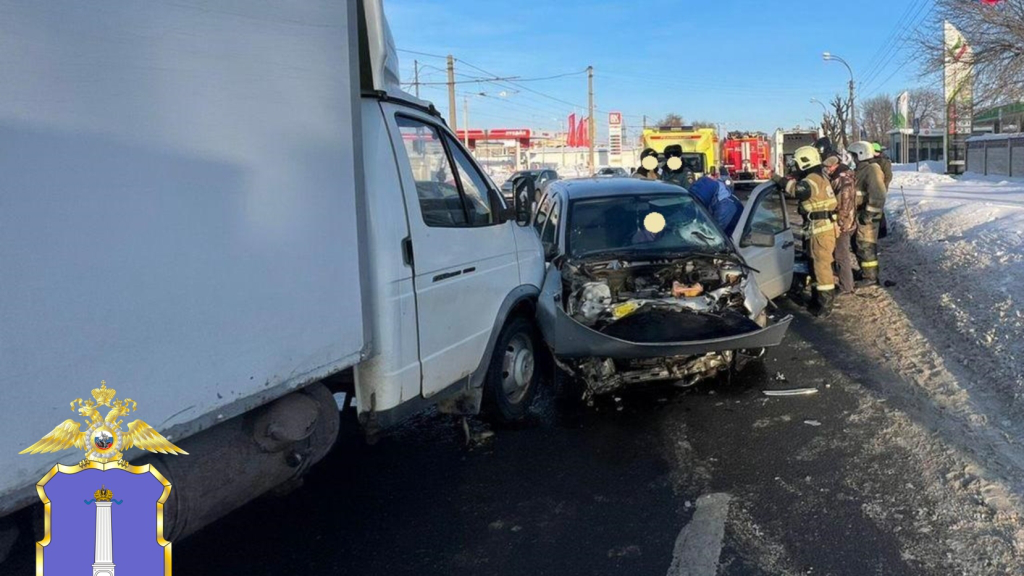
(817,197)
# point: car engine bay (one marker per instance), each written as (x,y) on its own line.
(689,298)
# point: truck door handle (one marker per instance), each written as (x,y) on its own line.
(787,245)
(407,251)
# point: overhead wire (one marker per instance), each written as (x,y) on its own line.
(547,96)
(897,48)
(893,37)
(512,84)
(877,86)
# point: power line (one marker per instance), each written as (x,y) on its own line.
(543,95)
(894,35)
(879,85)
(512,113)
(512,83)
(505,79)
(421,54)
(916,19)
(524,87)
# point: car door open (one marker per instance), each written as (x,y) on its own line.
(765,239)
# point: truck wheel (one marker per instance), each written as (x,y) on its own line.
(512,376)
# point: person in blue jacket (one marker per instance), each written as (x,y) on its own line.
(725,208)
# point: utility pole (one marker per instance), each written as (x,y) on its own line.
(590,116)
(853,112)
(416,76)
(451,92)
(465,118)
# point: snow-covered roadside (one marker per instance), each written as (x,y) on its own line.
(963,251)
(952,326)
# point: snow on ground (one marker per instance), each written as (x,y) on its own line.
(952,326)
(965,240)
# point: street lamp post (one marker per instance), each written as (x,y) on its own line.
(824,110)
(853,111)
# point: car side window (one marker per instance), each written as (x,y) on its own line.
(542,213)
(474,188)
(548,235)
(436,185)
(769,216)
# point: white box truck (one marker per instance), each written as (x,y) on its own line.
(216,208)
(786,142)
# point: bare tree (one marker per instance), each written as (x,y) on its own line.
(672,119)
(830,126)
(702,124)
(995,33)
(841,110)
(876,116)
(927,106)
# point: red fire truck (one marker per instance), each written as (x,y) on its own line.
(748,156)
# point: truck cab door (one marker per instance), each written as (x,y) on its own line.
(463,251)
(765,239)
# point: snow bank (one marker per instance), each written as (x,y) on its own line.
(952,327)
(995,179)
(963,249)
(932,166)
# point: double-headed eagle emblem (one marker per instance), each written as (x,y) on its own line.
(104,440)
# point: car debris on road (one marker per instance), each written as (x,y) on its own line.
(791,392)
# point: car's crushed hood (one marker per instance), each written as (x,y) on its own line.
(637,306)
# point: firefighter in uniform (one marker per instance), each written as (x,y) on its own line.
(871,193)
(818,207)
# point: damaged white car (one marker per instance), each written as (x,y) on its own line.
(643,286)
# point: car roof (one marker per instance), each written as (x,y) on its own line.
(577,188)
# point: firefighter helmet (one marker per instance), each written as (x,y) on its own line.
(807,157)
(861,151)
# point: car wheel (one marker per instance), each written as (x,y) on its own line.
(512,376)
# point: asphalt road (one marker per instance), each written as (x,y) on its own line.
(714,479)
(765,486)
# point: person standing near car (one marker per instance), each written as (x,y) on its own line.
(676,171)
(817,204)
(844,185)
(871,194)
(883,162)
(648,169)
(719,201)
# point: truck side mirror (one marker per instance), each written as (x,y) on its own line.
(523,191)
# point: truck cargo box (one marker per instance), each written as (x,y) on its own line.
(179,211)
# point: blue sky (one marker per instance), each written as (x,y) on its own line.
(748,65)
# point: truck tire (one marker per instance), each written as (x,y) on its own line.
(512,375)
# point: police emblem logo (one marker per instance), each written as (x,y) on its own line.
(103,512)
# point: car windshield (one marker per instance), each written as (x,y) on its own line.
(642,224)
